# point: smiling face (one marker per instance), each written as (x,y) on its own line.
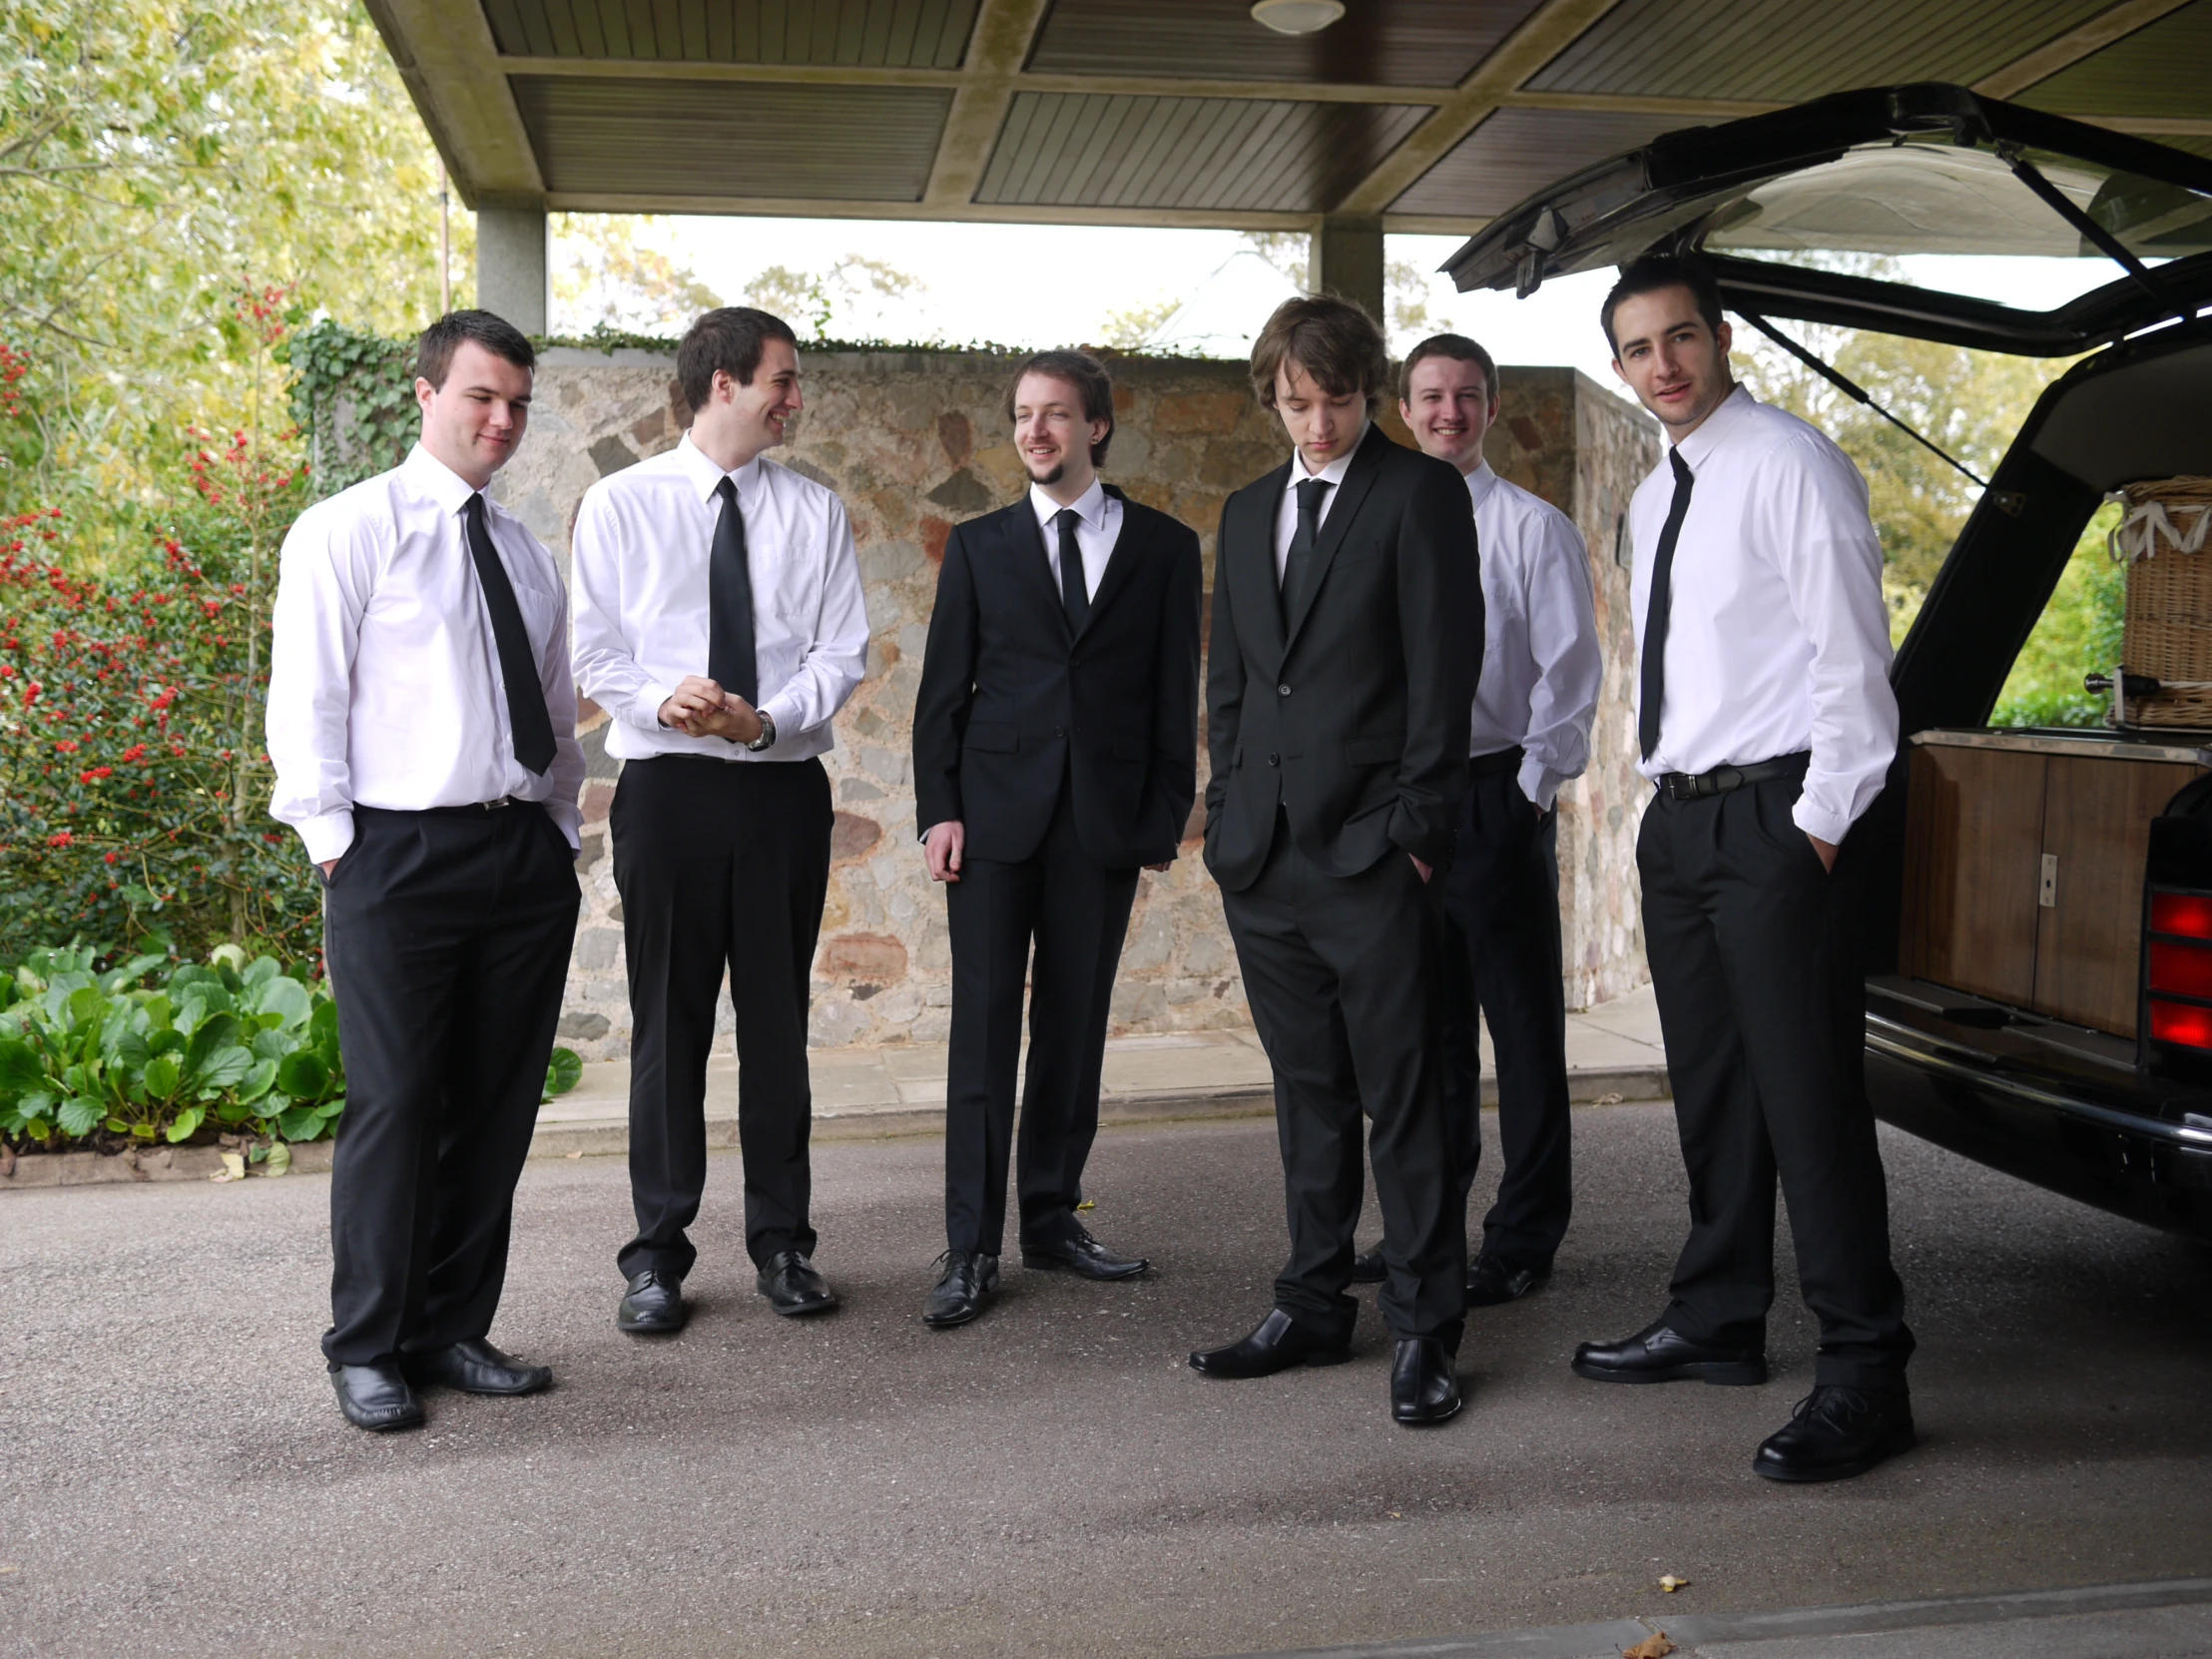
(1051,435)
(742,420)
(473,423)
(1672,358)
(1323,426)
(1448,407)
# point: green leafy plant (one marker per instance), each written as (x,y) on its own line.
(149,1051)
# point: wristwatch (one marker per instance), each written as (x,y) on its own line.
(767,739)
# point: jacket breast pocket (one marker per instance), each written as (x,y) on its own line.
(992,737)
(1373,752)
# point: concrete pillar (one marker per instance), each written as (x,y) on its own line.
(1348,260)
(511,266)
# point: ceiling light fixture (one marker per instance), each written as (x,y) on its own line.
(1296,17)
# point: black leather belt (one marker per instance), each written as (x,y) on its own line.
(475,809)
(1695,786)
(1497,761)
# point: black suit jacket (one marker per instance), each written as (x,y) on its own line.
(1356,718)
(1013,700)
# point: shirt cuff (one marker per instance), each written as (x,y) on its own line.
(645,708)
(783,708)
(1540,782)
(1815,819)
(568,818)
(327,834)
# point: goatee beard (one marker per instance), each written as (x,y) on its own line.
(1058,472)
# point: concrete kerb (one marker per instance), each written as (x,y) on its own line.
(610,1136)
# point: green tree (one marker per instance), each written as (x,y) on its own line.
(161,158)
(608,275)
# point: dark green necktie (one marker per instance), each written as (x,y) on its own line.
(518,668)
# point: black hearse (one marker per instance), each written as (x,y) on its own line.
(2039,902)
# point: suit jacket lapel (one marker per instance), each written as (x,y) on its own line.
(1025,546)
(1357,477)
(1128,549)
(1259,595)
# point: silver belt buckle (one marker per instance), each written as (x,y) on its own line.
(503,801)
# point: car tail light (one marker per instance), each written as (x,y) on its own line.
(2180,1023)
(2184,970)
(2186,915)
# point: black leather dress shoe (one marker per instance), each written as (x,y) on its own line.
(792,1287)
(653,1306)
(1083,1255)
(1838,1433)
(1425,1382)
(476,1368)
(1278,1343)
(1658,1354)
(1368,1269)
(969,1278)
(1490,1282)
(377,1398)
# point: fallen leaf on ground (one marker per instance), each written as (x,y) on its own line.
(234,1167)
(1608,1100)
(8,1566)
(574,1154)
(1669,1583)
(1653,1646)
(1086,1205)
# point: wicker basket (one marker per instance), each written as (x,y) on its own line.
(2165,536)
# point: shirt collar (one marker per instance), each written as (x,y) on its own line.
(439,482)
(1714,429)
(706,477)
(1334,472)
(1480,484)
(1090,506)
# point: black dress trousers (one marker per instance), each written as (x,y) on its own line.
(1502,953)
(1076,912)
(722,864)
(1761,1004)
(447,936)
(1342,973)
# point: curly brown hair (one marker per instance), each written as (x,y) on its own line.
(1333,340)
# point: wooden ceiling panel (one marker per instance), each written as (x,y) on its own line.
(2164,69)
(1785,51)
(864,33)
(1250,155)
(1401,43)
(1517,152)
(670,137)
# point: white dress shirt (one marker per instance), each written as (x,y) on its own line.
(643,539)
(1542,666)
(1778,640)
(1286,511)
(1097,528)
(384,685)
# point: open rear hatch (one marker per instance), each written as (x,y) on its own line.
(1925,169)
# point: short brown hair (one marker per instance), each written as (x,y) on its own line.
(434,349)
(1653,272)
(1459,349)
(726,341)
(1087,376)
(1333,340)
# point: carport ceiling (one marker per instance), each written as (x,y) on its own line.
(1429,115)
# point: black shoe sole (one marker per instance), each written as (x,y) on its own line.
(1723,1374)
(801,1309)
(1428,1421)
(537,1386)
(1485,1300)
(954,1324)
(656,1328)
(1901,1439)
(1323,1357)
(1057,1264)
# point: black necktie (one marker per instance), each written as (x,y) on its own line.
(1655,611)
(730,662)
(1299,566)
(518,667)
(1073,593)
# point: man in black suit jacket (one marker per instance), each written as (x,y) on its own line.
(1348,641)
(1056,752)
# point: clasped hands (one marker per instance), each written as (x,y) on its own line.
(701,709)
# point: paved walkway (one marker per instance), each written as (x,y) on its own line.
(1612,1051)
(1053,1481)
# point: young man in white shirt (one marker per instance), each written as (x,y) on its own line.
(719,620)
(1766,719)
(422,724)
(1543,669)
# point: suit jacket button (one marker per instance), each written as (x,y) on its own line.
(1282,691)
(1275,759)
(1059,730)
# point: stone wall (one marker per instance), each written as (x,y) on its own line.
(915,443)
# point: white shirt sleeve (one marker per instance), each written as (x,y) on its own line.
(606,671)
(565,776)
(325,575)
(833,663)
(1571,666)
(1814,505)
